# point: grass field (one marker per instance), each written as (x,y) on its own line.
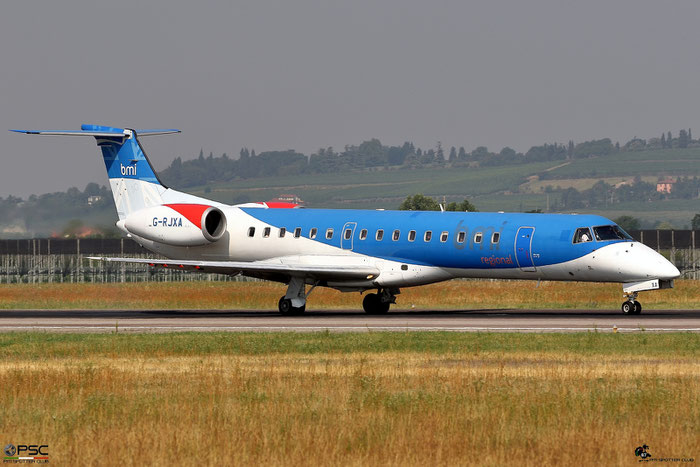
(351,399)
(454,295)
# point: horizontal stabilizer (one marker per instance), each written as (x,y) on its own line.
(99,131)
(68,133)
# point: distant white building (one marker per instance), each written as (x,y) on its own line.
(94,199)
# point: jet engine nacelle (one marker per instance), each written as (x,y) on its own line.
(178,224)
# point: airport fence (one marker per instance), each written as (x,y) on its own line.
(42,260)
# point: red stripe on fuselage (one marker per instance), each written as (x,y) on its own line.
(193,212)
(279,205)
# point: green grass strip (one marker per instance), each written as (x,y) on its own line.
(36,345)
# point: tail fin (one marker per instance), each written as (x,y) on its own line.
(132,179)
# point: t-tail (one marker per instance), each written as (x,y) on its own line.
(134,183)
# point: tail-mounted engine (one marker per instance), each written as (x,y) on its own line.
(178,224)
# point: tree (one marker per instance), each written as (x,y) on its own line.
(419,202)
(695,224)
(683,139)
(462,155)
(663,140)
(453,154)
(439,153)
(462,206)
(627,223)
(669,140)
(92,189)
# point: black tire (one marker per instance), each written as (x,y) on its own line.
(628,307)
(285,306)
(637,308)
(373,305)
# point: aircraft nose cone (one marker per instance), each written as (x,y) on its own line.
(657,266)
(669,271)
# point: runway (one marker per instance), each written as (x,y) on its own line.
(485,320)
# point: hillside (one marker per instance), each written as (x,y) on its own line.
(618,183)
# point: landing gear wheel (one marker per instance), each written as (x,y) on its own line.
(373,305)
(286,308)
(629,307)
(637,308)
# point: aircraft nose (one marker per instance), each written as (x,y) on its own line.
(655,265)
(668,270)
(633,261)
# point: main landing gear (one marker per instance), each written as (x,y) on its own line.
(631,306)
(379,303)
(294,301)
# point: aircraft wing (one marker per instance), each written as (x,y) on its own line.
(270,269)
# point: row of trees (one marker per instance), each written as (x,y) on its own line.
(420,202)
(42,213)
(373,154)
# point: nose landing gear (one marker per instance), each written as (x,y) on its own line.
(631,306)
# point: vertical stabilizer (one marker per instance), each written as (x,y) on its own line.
(132,179)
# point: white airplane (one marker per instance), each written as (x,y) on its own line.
(361,250)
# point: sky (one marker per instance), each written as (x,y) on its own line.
(302,74)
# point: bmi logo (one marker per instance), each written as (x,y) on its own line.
(128,170)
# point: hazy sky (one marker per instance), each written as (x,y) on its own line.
(305,74)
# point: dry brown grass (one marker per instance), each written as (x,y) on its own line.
(361,408)
(261,295)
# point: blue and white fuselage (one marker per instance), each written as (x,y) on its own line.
(359,250)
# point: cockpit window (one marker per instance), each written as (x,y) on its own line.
(610,232)
(582,235)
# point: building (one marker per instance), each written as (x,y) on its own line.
(665,186)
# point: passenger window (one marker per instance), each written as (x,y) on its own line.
(443,237)
(461,236)
(583,235)
(380,235)
(411,235)
(283,232)
(396,235)
(496,237)
(348,234)
(251,231)
(427,236)
(312,233)
(363,234)
(297,232)
(329,234)
(266,232)
(477,237)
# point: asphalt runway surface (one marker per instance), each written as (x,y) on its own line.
(485,320)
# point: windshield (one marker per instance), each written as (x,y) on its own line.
(610,232)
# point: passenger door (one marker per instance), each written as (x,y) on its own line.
(523,249)
(347,235)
